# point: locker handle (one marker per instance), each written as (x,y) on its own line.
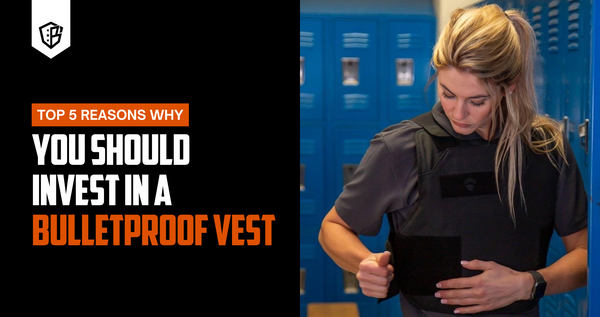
(302,172)
(583,135)
(350,282)
(350,71)
(564,124)
(302,281)
(405,71)
(301,70)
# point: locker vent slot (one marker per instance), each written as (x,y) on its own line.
(536,23)
(308,207)
(552,306)
(408,102)
(306,39)
(356,102)
(307,101)
(573,28)
(553,21)
(574,6)
(355,40)
(409,41)
(569,308)
(307,147)
(355,146)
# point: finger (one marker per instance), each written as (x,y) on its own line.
(375,294)
(371,266)
(457,293)
(384,259)
(478,265)
(472,309)
(374,290)
(370,278)
(461,282)
(460,301)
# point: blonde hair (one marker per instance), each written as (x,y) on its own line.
(499,48)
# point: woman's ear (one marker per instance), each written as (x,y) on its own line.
(511,88)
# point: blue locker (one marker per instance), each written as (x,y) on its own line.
(311,174)
(311,69)
(536,14)
(355,69)
(553,55)
(563,35)
(344,101)
(350,143)
(573,47)
(594,219)
(312,257)
(577,84)
(409,68)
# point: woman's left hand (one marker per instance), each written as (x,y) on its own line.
(497,286)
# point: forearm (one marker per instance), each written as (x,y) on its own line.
(567,273)
(343,246)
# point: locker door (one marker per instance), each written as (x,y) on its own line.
(355,69)
(410,45)
(577,85)
(552,34)
(311,69)
(312,274)
(537,16)
(350,143)
(594,219)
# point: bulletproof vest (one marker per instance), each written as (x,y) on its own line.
(459,215)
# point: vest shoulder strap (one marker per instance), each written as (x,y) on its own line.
(428,123)
(441,137)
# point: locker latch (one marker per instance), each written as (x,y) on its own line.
(583,135)
(350,71)
(302,172)
(302,281)
(405,70)
(350,282)
(565,127)
(301,70)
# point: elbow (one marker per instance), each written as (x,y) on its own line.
(321,238)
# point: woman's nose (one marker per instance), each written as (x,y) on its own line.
(460,111)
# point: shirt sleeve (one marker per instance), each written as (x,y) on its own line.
(572,204)
(384,181)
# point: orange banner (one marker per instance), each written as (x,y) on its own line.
(110,115)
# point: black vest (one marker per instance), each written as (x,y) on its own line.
(459,216)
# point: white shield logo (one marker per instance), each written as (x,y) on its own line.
(51,26)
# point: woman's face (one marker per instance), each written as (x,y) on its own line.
(466,102)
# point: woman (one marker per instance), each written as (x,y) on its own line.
(473,189)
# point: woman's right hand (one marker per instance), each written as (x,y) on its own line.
(375,274)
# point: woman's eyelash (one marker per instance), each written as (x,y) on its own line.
(476,104)
(446,96)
